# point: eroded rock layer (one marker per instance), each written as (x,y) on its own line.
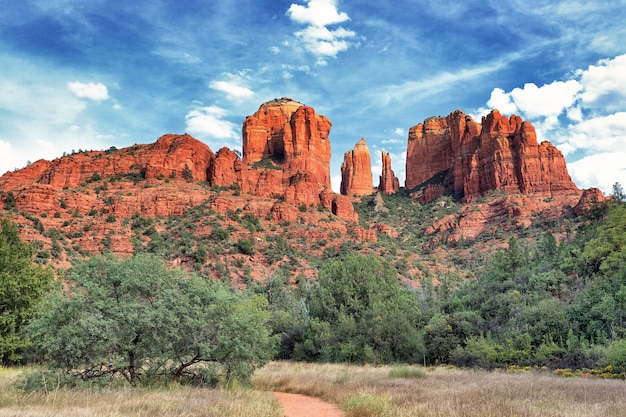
(470,159)
(286,155)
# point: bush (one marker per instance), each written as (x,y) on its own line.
(405,371)
(246,246)
(134,319)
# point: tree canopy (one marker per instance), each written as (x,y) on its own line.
(359,312)
(141,320)
(22,285)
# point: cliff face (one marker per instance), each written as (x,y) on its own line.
(356,171)
(471,159)
(389,183)
(291,135)
(286,155)
(170,156)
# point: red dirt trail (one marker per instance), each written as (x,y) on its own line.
(296,405)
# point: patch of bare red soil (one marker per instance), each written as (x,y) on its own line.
(297,405)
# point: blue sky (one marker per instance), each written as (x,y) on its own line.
(78,74)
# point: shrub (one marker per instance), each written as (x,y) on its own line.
(406,371)
(111,321)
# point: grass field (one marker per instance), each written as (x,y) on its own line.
(415,391)
(122,402)
(362,391)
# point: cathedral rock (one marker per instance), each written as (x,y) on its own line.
(470,159)
(356,171)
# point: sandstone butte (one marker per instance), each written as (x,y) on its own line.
(356,171)
(389,183)
(470,159)
(286,155)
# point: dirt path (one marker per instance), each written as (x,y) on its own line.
(296,405)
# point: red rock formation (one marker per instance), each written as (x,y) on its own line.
(290,136)
(356,171)
(471,159)
(286,153)
(591,197)
(170,156)
(389,183)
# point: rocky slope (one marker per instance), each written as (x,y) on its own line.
(356,171)
(272,210)
(471,159)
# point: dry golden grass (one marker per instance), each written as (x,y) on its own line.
(370,391)
(175,401)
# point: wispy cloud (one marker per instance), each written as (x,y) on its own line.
(414,90)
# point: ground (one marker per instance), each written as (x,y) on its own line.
(297,405)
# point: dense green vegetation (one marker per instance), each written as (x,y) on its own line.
(553,295)
(534,302)
(140,320)
(22,285)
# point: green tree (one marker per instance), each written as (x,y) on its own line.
(607,250)
(362,312)
(618,193)
(138,319)
(22,286)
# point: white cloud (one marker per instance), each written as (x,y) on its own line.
(605,83)
(393,141)
(549,100)
(599,134)
(321,41)
(399,131)
(501,101)
(316,37)
(92,91)
(208,123)
(233,91)
(335,183)
(317,13)
(594,102)
(601,170)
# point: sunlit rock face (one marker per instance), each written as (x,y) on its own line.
(389,183)
(356,171)
(471,159)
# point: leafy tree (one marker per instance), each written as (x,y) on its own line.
(138,319)
(360,313)
(22,285)
(618,193)
(439,338)
(607,250)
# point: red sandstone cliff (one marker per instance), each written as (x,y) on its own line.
(389,183)
(286,152)
(471,159)
(356,171)
(286,155)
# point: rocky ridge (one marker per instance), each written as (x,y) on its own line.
(471,159)
(97,201)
